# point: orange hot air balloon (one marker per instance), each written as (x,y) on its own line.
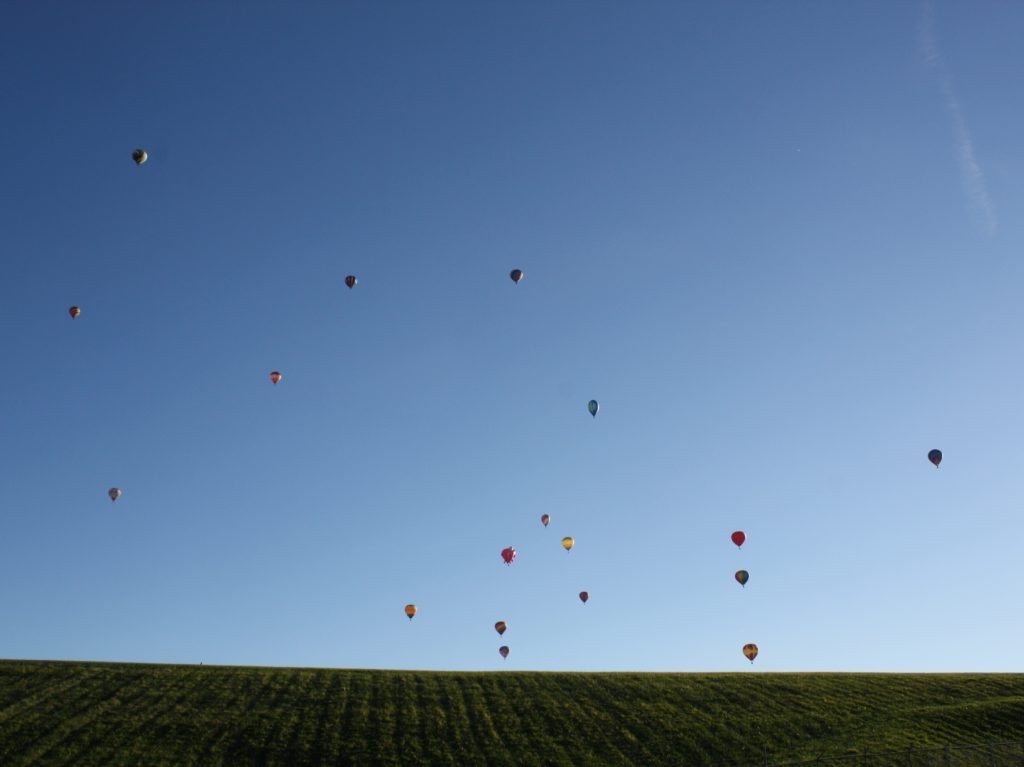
(500,627)
(568,543)
(114,493)
(275,377)
(351,281)
(74,311)
(516,275)
(750,650)
(508,554)
(544,519)
(503,650)
(739,537)
(584,596)
(410,610)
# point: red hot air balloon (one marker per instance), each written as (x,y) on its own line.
(74,311)
(275,377)
(516,275)
(500,627)
(544,519)
(508,555)
(503,650)
(351,281)
(935,456)
(584,596)
(738,538)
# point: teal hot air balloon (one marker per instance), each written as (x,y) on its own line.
(593,407)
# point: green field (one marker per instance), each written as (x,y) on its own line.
(98,713)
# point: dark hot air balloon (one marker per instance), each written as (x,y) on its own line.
(584,596)
(750,650)
(500,627)
(508,555)
(410,610)
(74,311)
(351,281)
(593,407)
(544,519)
(742,576)
(275,377)
(140,156)
(503,650)
(114,493)
(935,456)
(739,537)
(516,275)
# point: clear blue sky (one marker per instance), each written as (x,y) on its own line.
(780,243)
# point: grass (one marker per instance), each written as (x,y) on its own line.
(100,713)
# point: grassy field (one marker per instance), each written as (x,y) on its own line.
(98,713)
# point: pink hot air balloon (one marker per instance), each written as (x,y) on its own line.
(508,555)
(739,537)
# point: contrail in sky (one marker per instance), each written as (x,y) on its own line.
(974,180)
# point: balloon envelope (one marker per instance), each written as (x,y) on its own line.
(742,576)
(508,555)
(140,156)
(567,543)
(351,281)
(584,596)
(74,311)
(275,377)
(544,519)
(516,275)
(593,407)
(739,537)
(935,456)
(750,650)
(500,627)
(504,651)
(410,610)
(114,493)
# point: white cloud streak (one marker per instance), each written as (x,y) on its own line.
(981,208)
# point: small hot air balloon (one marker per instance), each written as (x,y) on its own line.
(410,610)
(140,156)
(742,576)
(750,650)
(584,596)
(516,275)
(351,281)
(74,311)
(567,543)
(503,650)
(544,519)
(500,627)
(593,407)
(508,555)
(275,377)
(935,456)
(114,493)
(739,537)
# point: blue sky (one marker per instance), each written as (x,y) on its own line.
(780,243)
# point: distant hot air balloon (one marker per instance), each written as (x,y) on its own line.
(544,519)
(593,407)
(140,156)
(503,650)
(410,610)
(935,456)
(74,311)
(567,543)
(739,537)
(742,576)
(508,555)
(584,596)
(114,493)
(351,281)
(750,650)
(500,627)
(275,377)
(516,275)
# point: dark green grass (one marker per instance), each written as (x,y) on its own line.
(98,713)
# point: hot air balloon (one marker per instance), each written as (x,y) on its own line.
(567,543)
(516,275)
(584,596)
(351,281)
(935,456)
(410,610)
(593,407)
(508,555)
(750,650)
(275,377)
(503,650)
(742,576)
(74,311)
(140,156)
(544,519)
(739,537)
(500,627)
(114,493)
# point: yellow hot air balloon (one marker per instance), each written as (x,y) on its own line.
(750,650)
(567,543)
(410,610)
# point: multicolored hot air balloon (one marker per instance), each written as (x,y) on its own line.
(508,554)
(114,493)
(503,650)
(750,650)
(544,519)
(140,156)
(74,311)
(935,456)
(568,543)
(351,281)
(738,538)
(516,275)
(275,377)
(500,627)
(584,596)
(410,610)
(742,576)
(593,407)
